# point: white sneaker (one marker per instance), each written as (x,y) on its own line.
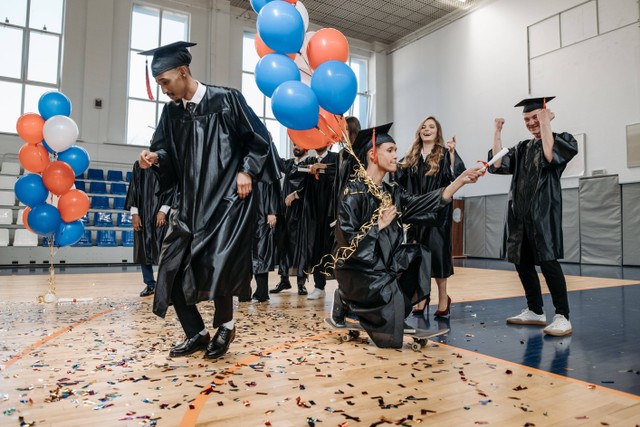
(316,294)
(528,317)
(559,327)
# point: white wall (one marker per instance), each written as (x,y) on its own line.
(476,69)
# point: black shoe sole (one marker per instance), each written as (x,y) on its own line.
(188,353)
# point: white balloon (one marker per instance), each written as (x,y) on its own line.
(60,132)
(302,61)
(305,15)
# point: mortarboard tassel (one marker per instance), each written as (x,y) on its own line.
(544,103)
(149,92)
(375,150)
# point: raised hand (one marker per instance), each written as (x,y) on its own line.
(499,122)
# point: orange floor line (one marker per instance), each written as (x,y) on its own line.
(191,416)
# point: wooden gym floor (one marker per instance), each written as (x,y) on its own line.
(104,362)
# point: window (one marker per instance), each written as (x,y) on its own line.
(31,37)
(150,27)
(262,104)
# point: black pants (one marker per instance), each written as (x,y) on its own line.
(189,316)
(147,275)
(553,275)
(319,279)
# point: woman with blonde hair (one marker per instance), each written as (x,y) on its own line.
(431,164)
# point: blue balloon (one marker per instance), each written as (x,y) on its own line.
(335,85)
(30,190)
(295,105)
(44,219)
(77,158)
(54,104)
(49,149)
(273,70)
(281,27)
(257,5)
(69,233)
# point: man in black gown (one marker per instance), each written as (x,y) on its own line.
(381,278)
(149,211)
(534,214)
(289,245)
(212,148)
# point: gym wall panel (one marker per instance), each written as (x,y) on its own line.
(631,224)
(474,227)
(600,220)
(571,225)
(496,215)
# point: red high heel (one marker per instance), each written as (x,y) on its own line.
(443,313)
(419,311)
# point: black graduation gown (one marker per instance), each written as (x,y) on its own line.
(264,253)
(143,194)
(384,277)
(290,245)
(207,249)
(437,239)
(317,214)
(542,219)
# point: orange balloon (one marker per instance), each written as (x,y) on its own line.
(29,127)
(325,45)
(332,125)
(293,2)
(25,215)
(263,49)
(34,158)
(73,205)
(309,139)
(58,177)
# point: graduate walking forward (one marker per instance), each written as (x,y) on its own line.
(534,214)
(379,277)
(212,148)
(149,210)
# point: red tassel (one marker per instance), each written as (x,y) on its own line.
(375,150)
(149,92)
(544,103)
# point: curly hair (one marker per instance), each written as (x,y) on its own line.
(434,158)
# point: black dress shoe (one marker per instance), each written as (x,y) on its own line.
(281,286)
(190,345)
(244,299)
(260,298)
(147,291)
(220,343)
(302,290)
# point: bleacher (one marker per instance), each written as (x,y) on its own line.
(108,228)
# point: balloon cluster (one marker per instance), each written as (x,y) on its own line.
(304,73)
(54,206)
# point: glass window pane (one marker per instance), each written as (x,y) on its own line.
(15,12)
(11,42)
(268,112)
(32,95)
(174,27)
(359,67)
(249,55)
(12,93)
(43,58)
(279,136)
(145,26)
(141,122)
(46,15)
(361,110)
(252,94)
(137,79)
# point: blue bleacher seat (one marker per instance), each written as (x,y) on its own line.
(97,187)
(129,174)
(85,240)
(99,202)
(95,174)
(85,219)
(124,219)
(80,185)
(118,203)
(114,175)
(127,238)
(119,188)
(102,219)
(106,238)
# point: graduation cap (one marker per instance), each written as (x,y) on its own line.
(167,57)
(532,104)
(371,138)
